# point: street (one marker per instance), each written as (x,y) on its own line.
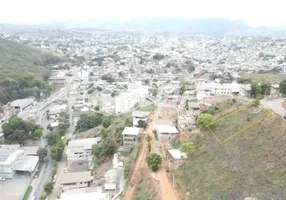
(274,105)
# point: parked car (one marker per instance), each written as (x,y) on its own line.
(2,179)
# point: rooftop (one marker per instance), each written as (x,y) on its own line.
(86,143)
(177,154)
(167,129)
(131,131)
(22,102)
(28,164)
(8,156)
(140,114)
(75,177)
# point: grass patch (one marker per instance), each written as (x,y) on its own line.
(224,127)
(27,193)
(131,159)
(267,78)
(250,164)
(149,108)
(146,188)
(176,144)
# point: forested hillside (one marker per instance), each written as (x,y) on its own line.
(23,71)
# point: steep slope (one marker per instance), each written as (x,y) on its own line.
(251,164)
(22,69)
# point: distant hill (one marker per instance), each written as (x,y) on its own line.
(212,26)
(22,70)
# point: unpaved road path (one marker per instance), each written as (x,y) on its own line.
(167,192)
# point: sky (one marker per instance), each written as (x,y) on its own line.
(253,12)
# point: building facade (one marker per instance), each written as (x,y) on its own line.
(130,135)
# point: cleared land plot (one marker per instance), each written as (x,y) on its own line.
(224,128)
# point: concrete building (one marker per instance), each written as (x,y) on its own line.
(125,101)
(166,130)
(16,160)
(22,104)
(176,156)
(75,180)
(139,115)
(130,135)
(81,149)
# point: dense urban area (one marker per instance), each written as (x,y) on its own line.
(127,115)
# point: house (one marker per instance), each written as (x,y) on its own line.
(125,101)
(31,150)
(81,149)
(75,180)
(176,156)
(130,135)
(55,111)
(79,194)
(166,130)
(139,115)
(274,91)
(22,104)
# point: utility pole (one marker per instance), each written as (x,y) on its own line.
(173,180)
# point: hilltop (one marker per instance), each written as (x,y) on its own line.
(23,69)
(251,164)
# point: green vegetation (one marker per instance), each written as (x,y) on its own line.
(175,143)
(224,128)
(42,153)
(27,193)
(64,123)
(187,147)
(17,130)
(103,150)
(89,121)
(148,108)
(146,188)
(23,71)
(266,78)
(282,87)
(204,120)
(57,145)
(49,188)
(260,90)
(250,164)
(131,159)
(154,160)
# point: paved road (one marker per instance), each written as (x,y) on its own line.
(46,171)
(274,105)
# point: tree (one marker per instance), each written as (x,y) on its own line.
(16,130)
(37,133)
(106,122)
(204,120)
(187,147)
(282,87)
(141,123)
(265,88)
(103,150)
(57,151)
(96,108)
(255,90)
(89,121)
(53,138)
(64,123)
(128,122)
(256,102)
(154,160)
(42,153)
(154,92)
(182,88)
(49,188)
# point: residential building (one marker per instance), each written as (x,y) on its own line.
(81,149)
(176,156)
(125,101)
(130,135)
(139,115)
(75,180)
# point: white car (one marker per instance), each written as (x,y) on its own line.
(2,179)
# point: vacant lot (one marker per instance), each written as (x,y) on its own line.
(250,164)
(224,128)
(147,188)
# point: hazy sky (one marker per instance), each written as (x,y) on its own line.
(253,12)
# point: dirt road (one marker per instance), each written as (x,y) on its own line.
(166,190)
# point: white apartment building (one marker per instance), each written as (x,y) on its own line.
(81,149)
(125,101)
